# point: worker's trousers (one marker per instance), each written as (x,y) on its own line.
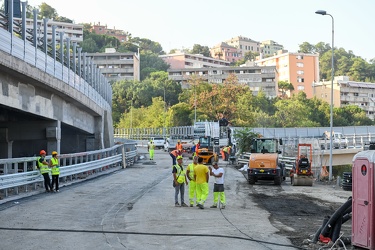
(180,188)
(192,191)
(219,191)
(151,152)
(202,192)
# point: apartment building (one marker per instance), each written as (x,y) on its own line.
(300,69)
(270,47)
(346,92)
(244,45)
(117,66)
(104,30)
(71,30)
(225,52)
(256,77)
(183,60)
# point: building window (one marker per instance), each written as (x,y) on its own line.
(300,80)
(300,65)
(301,87)
(240,46)
(300,72)
(299,57)
(355,94)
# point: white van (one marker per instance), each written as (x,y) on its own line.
(158,142)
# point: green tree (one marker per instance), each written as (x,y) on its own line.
(284,86)
(244,138)
(89,46)
(46,11)
(151,63)
(306,47)
(199,49)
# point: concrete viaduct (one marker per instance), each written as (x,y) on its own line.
(50,104)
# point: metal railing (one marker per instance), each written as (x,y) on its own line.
(20,174)
(76,69)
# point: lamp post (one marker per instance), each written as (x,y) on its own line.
(324,13)
(165,111)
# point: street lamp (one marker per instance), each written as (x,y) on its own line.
(324,13)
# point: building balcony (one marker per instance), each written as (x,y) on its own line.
(116,70)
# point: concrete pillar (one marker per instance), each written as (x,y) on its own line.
(99,131)
(53,135)
(10,149)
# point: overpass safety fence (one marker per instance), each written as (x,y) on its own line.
(68,64)
(21,175)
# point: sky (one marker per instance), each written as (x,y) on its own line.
(178,24)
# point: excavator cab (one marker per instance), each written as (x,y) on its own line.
(206,150)
(301,173)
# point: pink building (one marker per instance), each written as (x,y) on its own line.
(103,30)
(226,52)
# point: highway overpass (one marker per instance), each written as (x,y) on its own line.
(49,102)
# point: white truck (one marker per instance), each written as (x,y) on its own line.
(170,144)
(213,130)
(158,142)
(338,140)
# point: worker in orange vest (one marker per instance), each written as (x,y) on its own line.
(174,155)
(179,146)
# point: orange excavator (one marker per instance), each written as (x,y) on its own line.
(301,173)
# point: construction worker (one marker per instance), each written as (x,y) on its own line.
(193,150)
(44,170)
(201,176)
(179,182)
(218,173)
(179,146)
(226,154)
(55,171)
(197,148)
(192,185)
(151,150)
(174,154)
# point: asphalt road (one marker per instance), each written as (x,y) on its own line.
(133,208)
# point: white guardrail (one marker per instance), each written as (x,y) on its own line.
(19,174)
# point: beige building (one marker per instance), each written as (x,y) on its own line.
(270,48)
(346,92)
(117,66)
(183,60)
(244,45)
(302,70)
(257,78)
(71,30)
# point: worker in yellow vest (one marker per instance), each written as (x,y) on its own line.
(179,181)
(151,150)
(192,185)
(44,170)
(55,170)
(226,151)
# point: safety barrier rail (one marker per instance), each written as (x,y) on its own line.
(20,174)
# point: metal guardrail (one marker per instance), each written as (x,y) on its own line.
(72,165)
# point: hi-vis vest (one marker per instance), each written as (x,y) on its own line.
(152,146)
(191,171)
(42,168)
(55,169)
(180,174)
